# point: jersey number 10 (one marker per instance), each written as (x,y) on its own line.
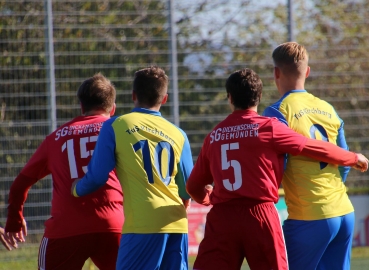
(146,156)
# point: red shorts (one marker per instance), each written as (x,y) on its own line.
(72,252)
(241,229)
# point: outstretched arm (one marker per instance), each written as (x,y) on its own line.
(288,141)
(330,153)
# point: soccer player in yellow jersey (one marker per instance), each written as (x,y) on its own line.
(320,224)
(153,160)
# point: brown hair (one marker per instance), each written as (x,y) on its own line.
(245,87)
(150,85)
(97,93)
(291,58)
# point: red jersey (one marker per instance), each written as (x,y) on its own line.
(244,157)
(65,154)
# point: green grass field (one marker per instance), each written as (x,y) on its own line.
(26,258)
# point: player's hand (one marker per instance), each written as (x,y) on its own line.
(20,236)
(5,240)
(23,232)
(362,163)
(209,189)
(187,204)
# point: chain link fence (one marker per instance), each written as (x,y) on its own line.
(47,53)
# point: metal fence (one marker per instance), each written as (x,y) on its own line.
(48,48)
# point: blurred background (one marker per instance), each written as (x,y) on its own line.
(49,47)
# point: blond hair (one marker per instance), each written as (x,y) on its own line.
(291,58)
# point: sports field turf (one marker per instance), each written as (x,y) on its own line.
(26,258)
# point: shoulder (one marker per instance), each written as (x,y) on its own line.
(275,109)
(174,128)
(111,120)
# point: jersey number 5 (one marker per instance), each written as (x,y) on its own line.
(146,156)
(231,163)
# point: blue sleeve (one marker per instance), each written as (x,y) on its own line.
(102,162)
(184,167)
(273,111)
(341,142)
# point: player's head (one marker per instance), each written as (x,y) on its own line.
(97,94)
(150,87)
(244,88)
(291,59)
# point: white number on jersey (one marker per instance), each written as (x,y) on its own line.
(231,163)
(69,145)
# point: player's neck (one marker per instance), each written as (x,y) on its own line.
(154,108)
(288,86)
(96,112)
(254,108)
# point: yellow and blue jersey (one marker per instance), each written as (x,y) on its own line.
(153,160)
(313,190)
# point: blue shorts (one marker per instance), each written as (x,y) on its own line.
(164,251)
(319,244)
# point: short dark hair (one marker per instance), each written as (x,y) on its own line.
(150,85)
(245,87)
(97,93)
(291,58)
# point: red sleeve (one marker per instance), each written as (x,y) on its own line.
(199,178)
(35,169)
(328,152)
(17,197)
(289,141)
(37,166)
(286,140)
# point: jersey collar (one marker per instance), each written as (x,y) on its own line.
(143,110)
(248,112)
(294,91)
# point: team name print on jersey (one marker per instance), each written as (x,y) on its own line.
(133,130)
(234,132)
(150,130)
(304,111)
(78,130)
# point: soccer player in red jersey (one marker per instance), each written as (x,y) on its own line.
(243,157)
(79,228)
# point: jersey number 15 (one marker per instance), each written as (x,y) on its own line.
(69,145)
